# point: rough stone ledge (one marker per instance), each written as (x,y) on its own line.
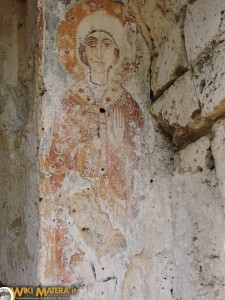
(182,136)
(189,107)
(178,111)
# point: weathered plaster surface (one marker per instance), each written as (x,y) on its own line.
(156,233)
(172,244)
(96,206)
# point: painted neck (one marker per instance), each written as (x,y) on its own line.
(99,78)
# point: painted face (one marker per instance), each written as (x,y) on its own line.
(100,51)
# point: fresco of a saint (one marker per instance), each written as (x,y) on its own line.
(95,132)
(96,137)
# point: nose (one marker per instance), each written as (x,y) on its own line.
(99,52)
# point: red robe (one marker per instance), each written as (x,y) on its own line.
(83,119)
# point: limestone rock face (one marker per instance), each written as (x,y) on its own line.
(188,107)
(218,153)
(209,78)
(19,144)
(197,156)
(14,108)
(112,147)
(176,6)
(204,22)
(179,103)
(178,110)
(170,63)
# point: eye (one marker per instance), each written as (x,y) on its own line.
(91,43)
(107,44)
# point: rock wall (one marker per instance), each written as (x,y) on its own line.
(131,149)
(188,102)
(19,146)
(161,235)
